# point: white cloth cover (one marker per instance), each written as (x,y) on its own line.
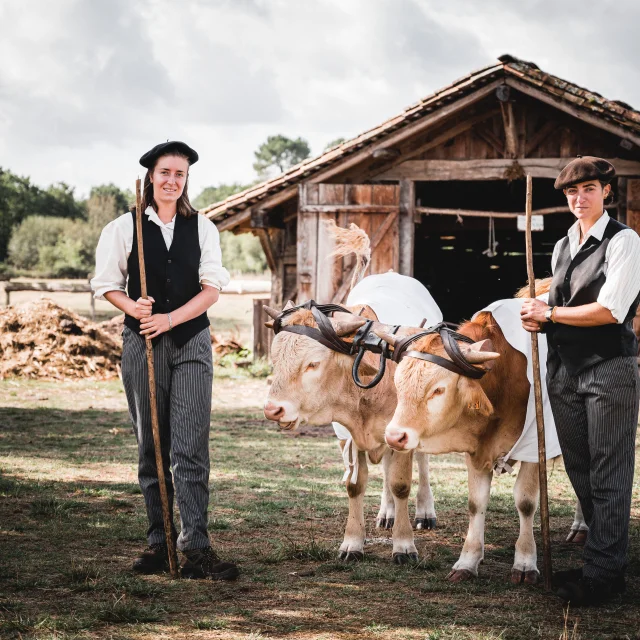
(507,315)
(396,299)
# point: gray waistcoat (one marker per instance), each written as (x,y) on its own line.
(577,282)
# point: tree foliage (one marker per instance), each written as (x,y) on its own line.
(19,199)
(334,143)
(211,195)
(281,153)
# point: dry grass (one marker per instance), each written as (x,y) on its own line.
(72,519)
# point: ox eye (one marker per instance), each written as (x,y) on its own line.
(312,365)
(437,392)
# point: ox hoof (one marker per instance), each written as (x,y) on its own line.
(425,523)
(351,556)
(385,523)
(577,536)
(524,577)
(405,558)
(460,575)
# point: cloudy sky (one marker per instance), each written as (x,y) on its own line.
(86,86)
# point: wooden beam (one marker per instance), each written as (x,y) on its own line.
(407,227)
(428,211)
(445,136)
(348,208)
(267,247)
(490,138)
(510,133)
(590,118)
(622,200)
(492,169)
(384,227)
(546,131)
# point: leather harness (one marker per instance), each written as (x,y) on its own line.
(366,340)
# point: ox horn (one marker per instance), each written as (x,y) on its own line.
(480,352)
(345,327)
(272,313)
(389,338)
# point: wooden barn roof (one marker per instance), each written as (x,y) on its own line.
(613,115)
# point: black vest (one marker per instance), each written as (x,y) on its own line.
(173,275)
(577,282)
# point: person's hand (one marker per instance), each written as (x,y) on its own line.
(531,326)
(142,308)
(154,325)
(533,309)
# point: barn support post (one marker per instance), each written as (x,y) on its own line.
(407,227)
(621,197)
(307,249)
(633,204)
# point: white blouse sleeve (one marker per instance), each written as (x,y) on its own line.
(212,272)
(623,274)
(112,255)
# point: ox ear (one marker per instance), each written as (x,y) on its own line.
(269,324)
(481,353)
(344,324)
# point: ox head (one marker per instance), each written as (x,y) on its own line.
(309,380)
(432,400)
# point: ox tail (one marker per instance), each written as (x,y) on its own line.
(351,240)
(542,286)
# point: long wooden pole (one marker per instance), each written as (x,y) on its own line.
(537,388)
(164,498)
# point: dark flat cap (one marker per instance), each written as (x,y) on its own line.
(585,168)
(148,160)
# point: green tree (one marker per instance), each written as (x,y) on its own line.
(279,152)
(19,199)
(334,143)
(211,195)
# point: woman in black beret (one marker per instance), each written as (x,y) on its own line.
(184,277)
(592,374)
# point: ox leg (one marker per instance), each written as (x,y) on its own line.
(473,549)
(579,528)
(352,547)
(425,506)
(400,469)
(526,492)
(387,513)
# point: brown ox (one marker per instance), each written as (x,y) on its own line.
(440,411)
(313,384)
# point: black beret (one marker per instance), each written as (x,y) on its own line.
(585,168)
(148,160)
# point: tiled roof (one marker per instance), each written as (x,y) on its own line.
(615,112)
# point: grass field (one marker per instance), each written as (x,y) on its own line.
(72,520)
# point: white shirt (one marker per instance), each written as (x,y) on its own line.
(116,240)
(621,265)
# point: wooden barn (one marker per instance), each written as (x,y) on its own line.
(439,189)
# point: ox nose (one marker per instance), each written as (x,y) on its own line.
(396,439)
(273,411)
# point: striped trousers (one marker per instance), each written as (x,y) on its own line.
(596,415)
(183,388)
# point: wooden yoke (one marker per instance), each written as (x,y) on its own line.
(164,499)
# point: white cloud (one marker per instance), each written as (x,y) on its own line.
(87,86)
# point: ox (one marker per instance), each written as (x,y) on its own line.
(313,384)
(440,411)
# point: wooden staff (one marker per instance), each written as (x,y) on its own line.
(537,388)
(164,499)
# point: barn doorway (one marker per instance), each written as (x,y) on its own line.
(451,257)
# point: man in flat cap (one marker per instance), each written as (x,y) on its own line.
(592,374)
(184,277)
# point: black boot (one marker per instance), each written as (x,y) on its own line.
(586,592)
(154,559)
(205,563)
(560,578)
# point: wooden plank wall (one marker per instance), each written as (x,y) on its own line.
(320,276)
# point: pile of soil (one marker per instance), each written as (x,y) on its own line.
(44,340)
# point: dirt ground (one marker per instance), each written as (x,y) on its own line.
(72,520)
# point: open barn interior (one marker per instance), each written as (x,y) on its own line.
(455,256)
